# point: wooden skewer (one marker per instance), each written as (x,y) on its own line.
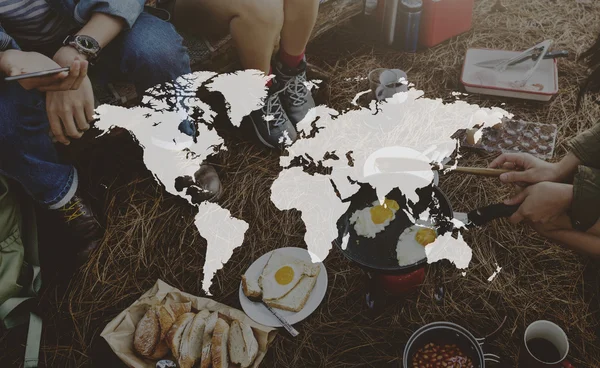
(477,170)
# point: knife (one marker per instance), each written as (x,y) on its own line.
(483,215)
(281,318)
(491,64)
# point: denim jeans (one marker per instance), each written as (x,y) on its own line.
(148,54)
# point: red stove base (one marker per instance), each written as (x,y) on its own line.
(399,285)
(378,285)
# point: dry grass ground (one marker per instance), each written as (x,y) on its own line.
(150,234)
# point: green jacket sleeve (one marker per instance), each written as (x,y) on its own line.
(585,210)
(586,147)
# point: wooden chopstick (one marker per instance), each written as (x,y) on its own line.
(477,170)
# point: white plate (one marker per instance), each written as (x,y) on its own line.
(260,314)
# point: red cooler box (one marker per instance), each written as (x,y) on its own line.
(444,19)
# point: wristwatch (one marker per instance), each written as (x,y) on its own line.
(85,45)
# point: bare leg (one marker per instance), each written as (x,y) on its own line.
(254,25)
(300,19)
(563,233)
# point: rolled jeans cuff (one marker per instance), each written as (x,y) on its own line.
(66,193)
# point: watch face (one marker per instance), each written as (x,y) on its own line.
(87,43)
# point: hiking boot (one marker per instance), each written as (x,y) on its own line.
(272,125)
(296,97)
(82,225)
(204,186)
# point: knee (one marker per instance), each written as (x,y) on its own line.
(154,52)
(267,13)
(21,111)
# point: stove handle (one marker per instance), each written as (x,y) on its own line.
(492,358)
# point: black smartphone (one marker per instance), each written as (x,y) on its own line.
(42,73)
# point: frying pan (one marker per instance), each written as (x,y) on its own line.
(379,253)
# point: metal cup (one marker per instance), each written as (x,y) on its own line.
(385,83)
(553,334)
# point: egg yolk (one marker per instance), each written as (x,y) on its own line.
(284,275)
(391,204)
(425,236)
(380,213)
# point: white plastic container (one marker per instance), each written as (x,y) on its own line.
(542,86)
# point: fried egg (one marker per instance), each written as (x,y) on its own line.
(281,275)
(280,281)
(411,244)
(372,220)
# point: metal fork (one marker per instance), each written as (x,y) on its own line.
(543,46)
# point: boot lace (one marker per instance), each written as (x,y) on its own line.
(72,211)
(273,111)
(296,89)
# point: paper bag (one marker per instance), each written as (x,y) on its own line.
(120,331)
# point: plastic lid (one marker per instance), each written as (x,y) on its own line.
(412,4)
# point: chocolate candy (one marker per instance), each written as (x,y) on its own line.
(514,136)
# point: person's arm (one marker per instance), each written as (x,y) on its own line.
(586,146)
(585,209)
(562,232)
(126,10)
(102,27)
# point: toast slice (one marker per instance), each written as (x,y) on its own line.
(243,347)
(190,349)
(218,348)
(251,288)
(206,359)
(296,299)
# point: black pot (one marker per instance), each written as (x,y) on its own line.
(448,333)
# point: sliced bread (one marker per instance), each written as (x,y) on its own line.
(177,309)
(250,287)
(243,347)
(219,345)
(175,334)
(211,321)
(147,333)
(296,299)
(190,349)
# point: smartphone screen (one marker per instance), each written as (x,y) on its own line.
(37,74)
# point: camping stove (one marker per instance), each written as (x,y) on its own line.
(398,285)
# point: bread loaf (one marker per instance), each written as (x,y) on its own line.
(147,333)
(243,347)
(191,344)
(219,345)
(175,334)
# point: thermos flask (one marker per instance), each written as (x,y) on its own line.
(388,24)
(407,25)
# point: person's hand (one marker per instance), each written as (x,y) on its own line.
(542,203)
(68,56)
(16,62)
(528,169)
(69,112)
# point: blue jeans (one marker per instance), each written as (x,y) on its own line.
(148,54)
